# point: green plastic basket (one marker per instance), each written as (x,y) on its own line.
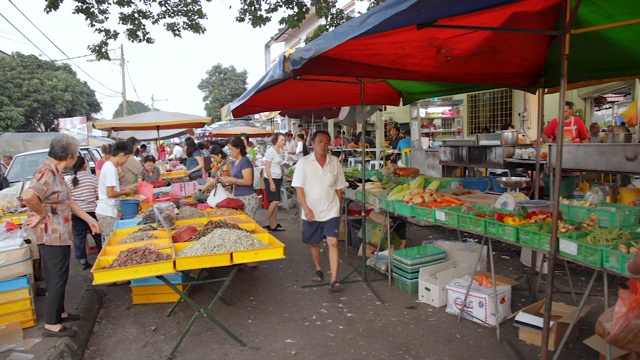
(614,260)
(611,215)
(360,195)
(386,204)
(418,255)
(446,216)
(416,268)
(575,213)
(447,183)
(467,219)
(400,208)
(502,231)
(405,274)
(531,236)
(424,213)
(406,285)
(572,247)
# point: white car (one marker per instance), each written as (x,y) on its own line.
(24,165)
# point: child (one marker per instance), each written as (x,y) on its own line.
(109,190)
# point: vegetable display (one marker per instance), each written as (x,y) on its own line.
(602,237)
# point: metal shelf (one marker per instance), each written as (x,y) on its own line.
(424,131)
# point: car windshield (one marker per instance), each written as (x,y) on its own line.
(23,167)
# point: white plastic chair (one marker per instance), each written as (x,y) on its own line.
(375,165)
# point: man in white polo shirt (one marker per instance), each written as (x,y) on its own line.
(319,181)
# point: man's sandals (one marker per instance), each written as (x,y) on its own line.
(317,277)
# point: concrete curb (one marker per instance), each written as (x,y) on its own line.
(72,348)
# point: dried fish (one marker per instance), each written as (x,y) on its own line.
(212,225)
(188,212)
(221,241)
(223,212)
(236,220)
(138,255)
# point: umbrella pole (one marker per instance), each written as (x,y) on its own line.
(557,172)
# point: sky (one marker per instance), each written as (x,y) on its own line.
(169,70)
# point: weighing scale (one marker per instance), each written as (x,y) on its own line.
(509,199)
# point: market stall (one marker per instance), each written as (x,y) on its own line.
(167,250)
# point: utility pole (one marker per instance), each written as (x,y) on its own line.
(153,101)
(124,84)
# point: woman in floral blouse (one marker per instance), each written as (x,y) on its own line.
(49,224)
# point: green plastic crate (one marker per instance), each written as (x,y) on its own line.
(406,274)
(385,204)
(447,183)
(370,174)
(572,247)
(403,209)
(408,286)
(467,219)
(612,215)
(446,216)
(360,195)
(424,213)
(575,213)
(416,268)
(614,260)
(502,231)
(418,255)
(531,236)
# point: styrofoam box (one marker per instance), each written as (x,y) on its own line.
(480,305)
(433,279)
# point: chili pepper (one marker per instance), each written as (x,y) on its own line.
(499,217)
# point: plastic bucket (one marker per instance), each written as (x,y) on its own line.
(627,195)
(475,183)
(130,208)
(567,185)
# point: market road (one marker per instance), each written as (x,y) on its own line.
(278,319)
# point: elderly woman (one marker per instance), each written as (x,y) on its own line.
(242,176)
(49,224)
(149,172)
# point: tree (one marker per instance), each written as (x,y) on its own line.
(133,107)
(134,17)
(35,93)
(221,86)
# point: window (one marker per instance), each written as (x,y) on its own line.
(489,109)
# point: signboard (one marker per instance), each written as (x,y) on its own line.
(74,126)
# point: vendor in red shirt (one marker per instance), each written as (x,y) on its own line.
(574,129)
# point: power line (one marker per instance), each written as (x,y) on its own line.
(54,44)
(18,30)
(131,81)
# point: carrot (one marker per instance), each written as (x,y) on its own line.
(453,200)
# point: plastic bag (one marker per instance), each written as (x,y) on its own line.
(217,195)
(231,203)
(145,189)
(593,197)
(620,325)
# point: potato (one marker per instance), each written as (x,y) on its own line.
(416,192)
(407,198)
(417,200)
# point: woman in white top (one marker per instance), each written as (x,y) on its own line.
(273,181)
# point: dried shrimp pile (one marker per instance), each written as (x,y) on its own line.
(223,212)
(235,220)
(137,256)
(138,236)
(212,225)
(221,241)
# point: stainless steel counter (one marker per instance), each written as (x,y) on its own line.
(617,158)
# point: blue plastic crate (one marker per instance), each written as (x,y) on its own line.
(175,278)
(122,224)
(14,284)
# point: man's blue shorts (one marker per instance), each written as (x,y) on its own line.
(316,231)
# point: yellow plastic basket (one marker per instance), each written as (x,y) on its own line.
(18,305)
(201,261)
(13,295)
(173,174)
(114,240)
(28,323)
(275,251)
(154,298)
(104,276)
(21,315)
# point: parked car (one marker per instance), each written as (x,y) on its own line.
(24,165)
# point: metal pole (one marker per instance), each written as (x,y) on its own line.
(536,181)
(124,85)
(553,252)
(364,177)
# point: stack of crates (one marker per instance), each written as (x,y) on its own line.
(408,262)
(16,302)
(152,290)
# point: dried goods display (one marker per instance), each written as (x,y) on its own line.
(188,212)
(138,236)
(223,212)
(137,256)
(149,217)
(234,220)
(156,246)
(221,241)
(212,225)
(148,227)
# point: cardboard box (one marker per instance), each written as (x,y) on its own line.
(371,249)
(433,279)
(480,306)
(530,319)
(597,343)
(15,262)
